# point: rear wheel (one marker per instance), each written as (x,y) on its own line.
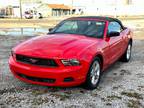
(94,74)
(127,55)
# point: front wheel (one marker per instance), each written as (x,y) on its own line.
(127,55)
(94,74)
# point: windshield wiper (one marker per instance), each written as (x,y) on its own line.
(60,32)
(55,32)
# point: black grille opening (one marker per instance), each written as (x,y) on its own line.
(45,80)
(36,61)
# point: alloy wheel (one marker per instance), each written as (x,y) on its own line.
(95,72)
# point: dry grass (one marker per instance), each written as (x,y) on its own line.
(132,94)
(134,104)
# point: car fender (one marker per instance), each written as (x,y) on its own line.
(88,56)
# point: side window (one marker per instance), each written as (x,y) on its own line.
(114,26)
(95,29)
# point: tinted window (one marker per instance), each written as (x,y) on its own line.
(82,27)
(114,27)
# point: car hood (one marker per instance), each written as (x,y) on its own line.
(55,45)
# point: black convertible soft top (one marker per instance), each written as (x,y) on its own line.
(102,18)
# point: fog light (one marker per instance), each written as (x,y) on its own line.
(69,79)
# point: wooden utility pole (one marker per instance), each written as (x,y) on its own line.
(72,7)
(115,15)
(20,6)
(72,3)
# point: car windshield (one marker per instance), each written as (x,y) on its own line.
(81,27)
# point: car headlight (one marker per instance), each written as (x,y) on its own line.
(71,62)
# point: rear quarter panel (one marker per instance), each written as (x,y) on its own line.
(127,36)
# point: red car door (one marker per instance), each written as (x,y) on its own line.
(116,42)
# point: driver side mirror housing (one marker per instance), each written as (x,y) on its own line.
(50,29)
(113,34)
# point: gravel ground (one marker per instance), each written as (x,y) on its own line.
(122,85)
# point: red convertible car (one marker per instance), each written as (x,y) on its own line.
(76,51)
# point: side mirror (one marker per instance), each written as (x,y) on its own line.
(113,34)
(50,29)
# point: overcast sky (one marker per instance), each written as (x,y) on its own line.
(16,2)
(69,2)
(8,2)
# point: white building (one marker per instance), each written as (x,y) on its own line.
(88,7)
(111,7)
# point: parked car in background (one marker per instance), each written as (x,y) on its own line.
(28,15)
(76,51)
(2,15)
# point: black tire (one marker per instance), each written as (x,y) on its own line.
(88,84)
(126,57)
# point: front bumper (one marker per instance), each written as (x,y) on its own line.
(48,76)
